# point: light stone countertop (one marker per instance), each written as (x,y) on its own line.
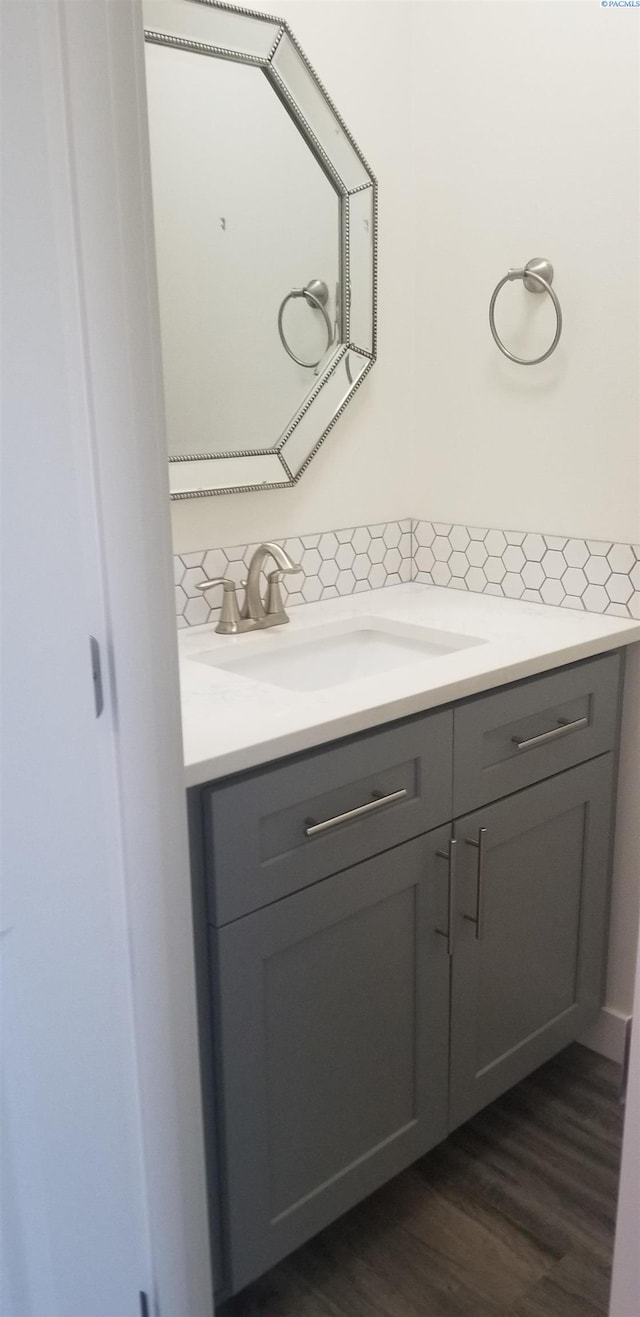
(232,723)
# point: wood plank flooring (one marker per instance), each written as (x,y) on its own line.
(513,1216)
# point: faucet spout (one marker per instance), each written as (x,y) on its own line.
(268,614)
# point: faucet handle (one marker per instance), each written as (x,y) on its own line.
(228,585)
(230,622)
(278,574)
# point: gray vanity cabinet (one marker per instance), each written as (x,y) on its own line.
(333,1015)
(379,972)
(528,963)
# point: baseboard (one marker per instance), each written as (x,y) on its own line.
(608,1034)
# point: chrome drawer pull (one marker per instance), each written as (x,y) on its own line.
(450,855)
(313,828)
(562,729)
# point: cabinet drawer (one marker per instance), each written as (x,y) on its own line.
(531,730)
(281,828)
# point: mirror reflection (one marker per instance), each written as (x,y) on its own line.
(244,215)
(266,290)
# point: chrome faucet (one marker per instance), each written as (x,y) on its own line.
(270,610)
(256,612)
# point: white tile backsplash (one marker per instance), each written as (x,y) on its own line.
(594,575)
(334,562)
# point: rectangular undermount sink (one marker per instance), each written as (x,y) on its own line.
(326,656)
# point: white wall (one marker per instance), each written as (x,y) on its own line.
(526,118)
(498,131)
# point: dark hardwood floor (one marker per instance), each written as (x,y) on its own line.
(512,1217)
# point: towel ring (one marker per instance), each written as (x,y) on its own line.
(316,294)
(537,277)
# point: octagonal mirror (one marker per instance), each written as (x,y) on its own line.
(265,223)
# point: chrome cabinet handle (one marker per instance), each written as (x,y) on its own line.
(312,829)
(478,918)
(450,855)
(563,729)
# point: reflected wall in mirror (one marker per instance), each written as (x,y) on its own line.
(265,220)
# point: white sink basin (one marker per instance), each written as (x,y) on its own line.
(323,656)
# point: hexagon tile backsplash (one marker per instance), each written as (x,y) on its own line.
(334,562)
(595,575)
(598,576)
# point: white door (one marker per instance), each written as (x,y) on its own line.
(75,1242)
(102,1171)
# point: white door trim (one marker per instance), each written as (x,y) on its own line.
(104,56)
(104,1093)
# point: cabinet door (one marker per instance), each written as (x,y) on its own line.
(527,973)
(333,1013)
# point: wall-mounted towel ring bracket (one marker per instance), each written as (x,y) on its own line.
(537,277)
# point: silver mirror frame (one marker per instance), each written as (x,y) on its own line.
(285,462)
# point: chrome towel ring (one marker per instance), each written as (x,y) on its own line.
(537,277)
(316,294)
